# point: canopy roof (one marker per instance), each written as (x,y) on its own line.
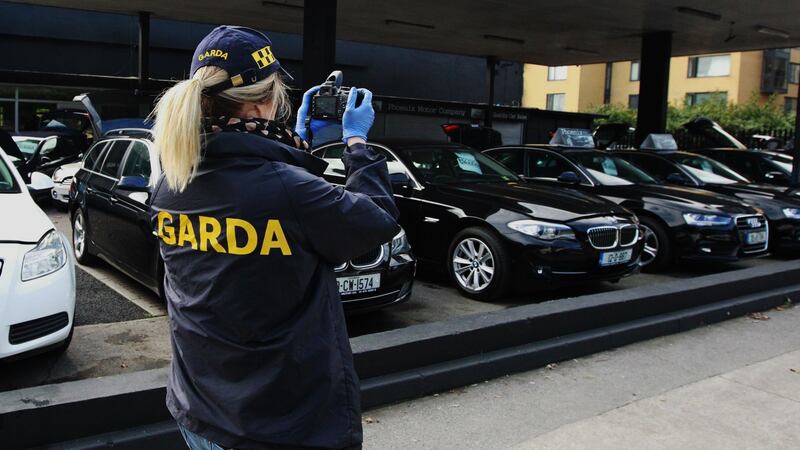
(540,32)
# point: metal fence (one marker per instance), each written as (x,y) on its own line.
(687,140)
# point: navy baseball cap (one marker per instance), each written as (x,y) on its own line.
(245,53)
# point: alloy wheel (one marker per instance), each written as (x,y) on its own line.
(78,235)
(473,264)
(651,246)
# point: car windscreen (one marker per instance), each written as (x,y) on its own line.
(781,162)
(27,146)
(707,170)
(8,184)
(611,170)
(454,165)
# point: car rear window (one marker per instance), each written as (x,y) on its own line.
(114,157)
(7,182)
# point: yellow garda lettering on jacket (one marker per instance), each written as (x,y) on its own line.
(213,54)
(240,236)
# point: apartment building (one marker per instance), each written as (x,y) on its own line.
(693,79)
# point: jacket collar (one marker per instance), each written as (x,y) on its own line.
(226,145)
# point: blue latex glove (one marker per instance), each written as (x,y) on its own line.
(357,121)
(302,114)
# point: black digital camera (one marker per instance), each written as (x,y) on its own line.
(330,101)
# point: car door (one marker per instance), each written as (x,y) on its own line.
(136,249)
(99,191)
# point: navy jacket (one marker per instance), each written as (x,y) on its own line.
(261,356)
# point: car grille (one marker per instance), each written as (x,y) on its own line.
(369,260)
(628,234)
(34,329)
(604,238)
(749,224)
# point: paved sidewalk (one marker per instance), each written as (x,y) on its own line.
(727,386)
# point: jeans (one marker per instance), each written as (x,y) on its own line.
(197,442)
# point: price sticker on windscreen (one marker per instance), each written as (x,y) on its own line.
(468,163)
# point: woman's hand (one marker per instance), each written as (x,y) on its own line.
(357,120)
(302,115)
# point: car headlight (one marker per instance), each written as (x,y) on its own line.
(57,175)
(707,220)
(48,256)
(792,213)
(543,230)
(400,243)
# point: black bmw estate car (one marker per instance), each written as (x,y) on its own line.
(490,229)
(781,206)
(679,223)
(110,211)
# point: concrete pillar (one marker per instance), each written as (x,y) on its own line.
(319,41)
(491,64)
(144,48)
(653,84)
(795,182)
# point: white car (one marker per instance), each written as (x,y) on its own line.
(62,180)
(37,270)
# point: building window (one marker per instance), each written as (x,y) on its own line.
(775,71)
(696,98)
(634,70)
(556,73)
(794,73)
(633,101)
(709,66)
(555,102)
(789,105)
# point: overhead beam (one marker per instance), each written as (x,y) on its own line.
(651,116)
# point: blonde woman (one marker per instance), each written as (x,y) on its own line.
(249,235)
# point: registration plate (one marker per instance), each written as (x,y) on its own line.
(757,237)
(618,257)
(359,284)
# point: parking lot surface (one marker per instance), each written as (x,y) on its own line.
(122,326)
(735,384)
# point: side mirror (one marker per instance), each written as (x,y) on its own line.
(677,178)
(401,183)
(777,177)
(40,182)
(134,183)
(569,177)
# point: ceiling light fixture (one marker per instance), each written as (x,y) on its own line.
(699,13)
(581,50)
(772,31)
(494,37)
(410,24)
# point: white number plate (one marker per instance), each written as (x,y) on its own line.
(359,284)
(757,237)
(618,257)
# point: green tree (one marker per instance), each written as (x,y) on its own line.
(747,117)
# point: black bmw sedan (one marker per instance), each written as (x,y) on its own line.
(110,212)
(491,230)
(781,206)
(679,223)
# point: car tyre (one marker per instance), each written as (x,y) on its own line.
(479,264)
(81,245)
(657,251)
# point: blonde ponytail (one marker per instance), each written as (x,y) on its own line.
(178,118)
